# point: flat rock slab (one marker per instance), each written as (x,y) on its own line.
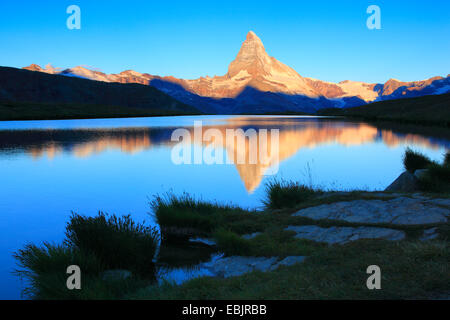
(401,210)
(341,235)
(238,265)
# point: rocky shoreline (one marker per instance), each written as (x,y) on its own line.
(395,209)
(303,236)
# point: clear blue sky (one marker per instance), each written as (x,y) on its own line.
(327,40)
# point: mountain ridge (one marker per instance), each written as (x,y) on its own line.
(272,80)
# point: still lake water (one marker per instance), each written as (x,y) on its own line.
(50,168)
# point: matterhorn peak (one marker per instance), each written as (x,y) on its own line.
(252,57)
(254,66)
(252,36)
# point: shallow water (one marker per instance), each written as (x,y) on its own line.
(50,168)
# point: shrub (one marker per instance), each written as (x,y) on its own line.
(283,194)
(117,242)
(413,160)
(231,243)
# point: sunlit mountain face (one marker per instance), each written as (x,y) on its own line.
(295,135)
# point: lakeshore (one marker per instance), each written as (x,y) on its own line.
(306,244)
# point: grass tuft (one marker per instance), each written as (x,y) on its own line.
(287,194)
(231,243)
(95,244)
(436,179)
(118,242)
(414,160)
(184,216)
(43,268)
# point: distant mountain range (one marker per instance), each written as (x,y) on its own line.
(258,83)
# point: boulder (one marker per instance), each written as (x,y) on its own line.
(420,173)
(406,182)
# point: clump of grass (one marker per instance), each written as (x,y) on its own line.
(231,243)
(50,258)
(184,216)
(118,242)
(287,194)
(43,267)
(414,160)
(95,244)
(44,270)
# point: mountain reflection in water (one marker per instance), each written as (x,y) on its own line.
(294,134)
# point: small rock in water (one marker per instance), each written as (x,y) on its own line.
(406,182)
(116,274)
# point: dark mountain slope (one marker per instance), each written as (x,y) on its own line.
(432,109)
(21,88)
